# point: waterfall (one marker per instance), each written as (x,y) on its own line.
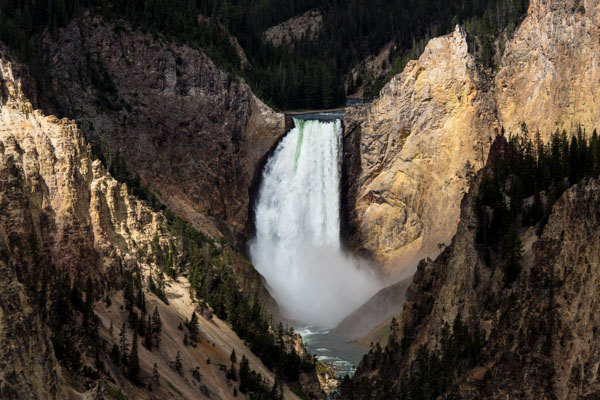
(297,246)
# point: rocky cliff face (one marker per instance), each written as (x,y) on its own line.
(549,73)
(530,339)
(78,216)
(415,143)
(569,252)
(59,209)
(193,134)
(416,139)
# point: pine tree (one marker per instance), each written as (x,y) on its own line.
(151,284)
(156,326)
(232,374)
(177,364)
(89,295)
(155,375)
(128,295)
(140,301)
(193,328)
(512,250)
(123,342)
(564,154)
(142,328)
(555,163)
(256,311)
(594,153)
(133,320)
(75,296)
(244,374)
(149,334)
(115,355)
(133,365)
(161,285)
(233,357)
(574,158)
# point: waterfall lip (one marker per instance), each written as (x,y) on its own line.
(319,115)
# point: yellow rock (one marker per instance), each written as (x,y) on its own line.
(417,138)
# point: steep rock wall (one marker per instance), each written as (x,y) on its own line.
(416,138)
(415,142)
(550,72)
(193,134)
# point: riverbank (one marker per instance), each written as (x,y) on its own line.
(333,350)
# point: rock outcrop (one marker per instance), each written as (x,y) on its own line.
(549,75)
(195,135)
(306,26)
(59,201)
(416,142)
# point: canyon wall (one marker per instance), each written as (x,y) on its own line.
(417,141)
(194,134)
(407,151)
(549,75)
(60,209)
(61,213)
(536,335)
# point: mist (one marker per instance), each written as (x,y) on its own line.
(297,246)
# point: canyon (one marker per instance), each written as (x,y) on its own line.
(62,213)
(163,115)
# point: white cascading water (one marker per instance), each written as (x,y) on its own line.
(297,246)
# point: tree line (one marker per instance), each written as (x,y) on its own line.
(307,74)
(532,175)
